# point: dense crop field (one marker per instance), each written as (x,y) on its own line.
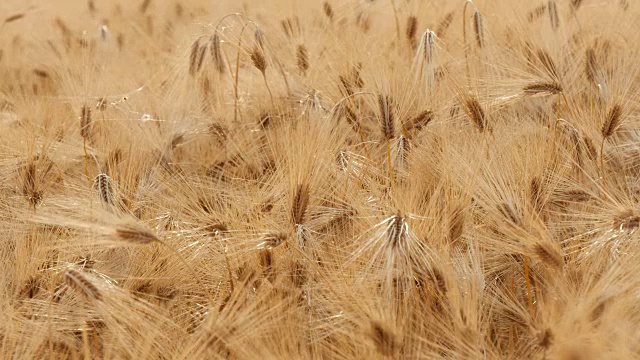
(298,179)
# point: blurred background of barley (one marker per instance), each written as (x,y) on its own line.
(303,179)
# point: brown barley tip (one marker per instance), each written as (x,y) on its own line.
(14,17)
(420,121)
(201,57)
(590,65)
(543,88)
(271,241)
(536,193)
(302,58)
(79,282)
(299,204)
(478,28)
(216,53)
(575,196)
(85,123)
(193,58)
(351,117)
(105,189)
(549,254)
(548,63)
(536,13)
(383,339)
(476,113)
(553,15)
(598,310)
(626,220)
(43,74)
(612,121)
(590,147)
(444,24)
(436,276)
(144,6)
(135,234)
(328,10)
(411,30)
(258,60)
(291,26)
(575,4)
(30,185)
(387,117)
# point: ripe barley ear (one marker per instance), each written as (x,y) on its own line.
(543,88)
(80,283)
(478,28)
(609,127)
(135,234)
(194,57)
(302,59)
(475,113)
(384,340)
(328,10)
(411,30)
(299,203)
(387,120)
(553,15)
(216,54)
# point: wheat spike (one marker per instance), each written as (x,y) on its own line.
(302,58)
(387,120)
(478,28)
(411,30)
(216,54)
(105,189)
(420,121)
(612,121)
(271,241)
(444,24)
(135,234)
(549,255)
(536,13)
(79,282)
(258,59)
(626,220)
(591,65)
(299,204)
(328,10)
(553,15)
(85,123)
(542,88)
(476,113)
(576,4)
(548,63)
(193,58)
(14,17)
(383,339)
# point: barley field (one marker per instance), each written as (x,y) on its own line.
(298,179)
